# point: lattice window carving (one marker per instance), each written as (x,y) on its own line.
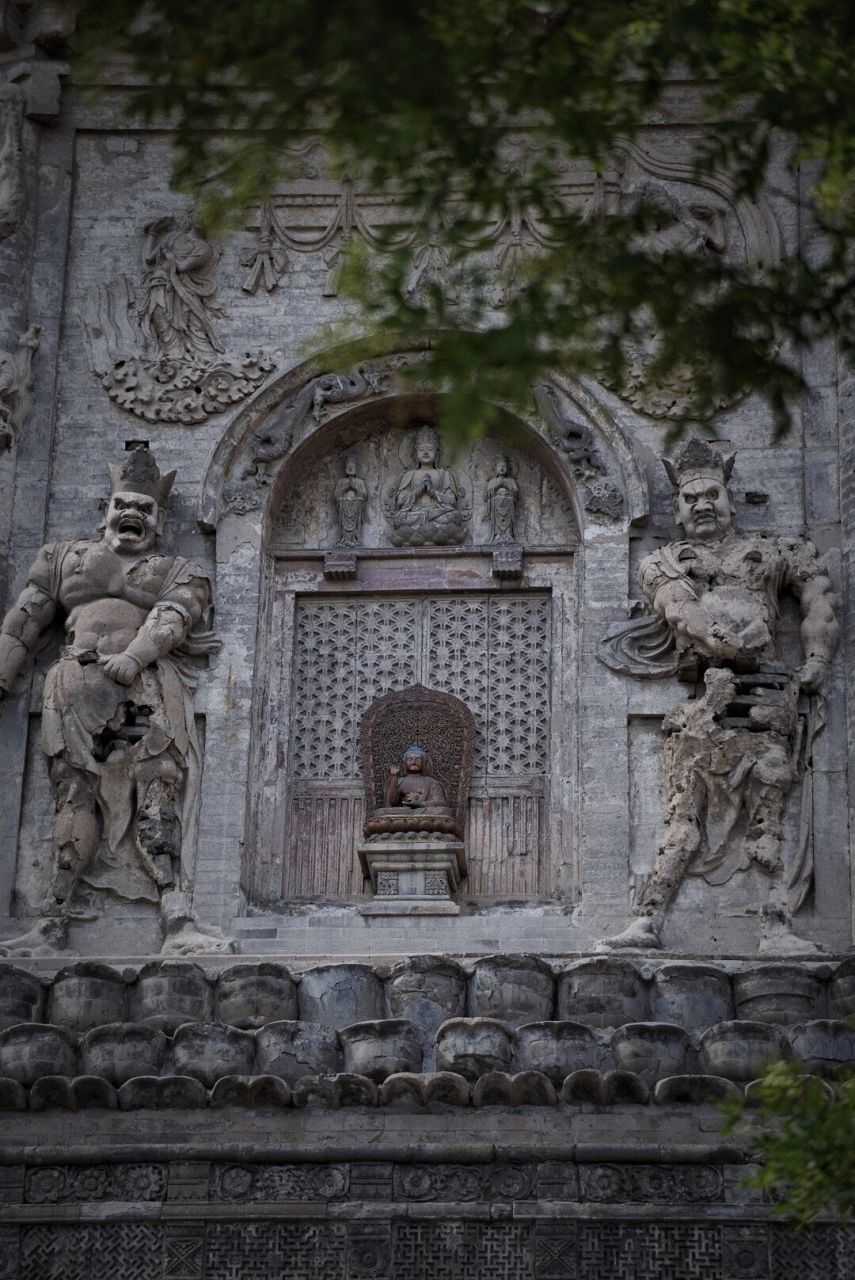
(493,652)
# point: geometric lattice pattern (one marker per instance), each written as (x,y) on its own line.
(813,1254)
(346,654)
(548,1248)
(649,1252)
(491,652)
(120,1251)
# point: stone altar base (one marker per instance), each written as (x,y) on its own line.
(413,877)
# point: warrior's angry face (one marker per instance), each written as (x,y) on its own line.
(704,508)
(132,523)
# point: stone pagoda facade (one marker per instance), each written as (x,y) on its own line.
(406,849)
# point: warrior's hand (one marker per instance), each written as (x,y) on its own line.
(394,771)
(813,675)
(121,667)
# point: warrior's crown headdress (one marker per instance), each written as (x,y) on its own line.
(698,459)
(139,473)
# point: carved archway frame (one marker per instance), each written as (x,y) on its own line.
(241,774)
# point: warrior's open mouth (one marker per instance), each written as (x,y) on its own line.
(133,525)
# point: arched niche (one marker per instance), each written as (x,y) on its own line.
(328,642)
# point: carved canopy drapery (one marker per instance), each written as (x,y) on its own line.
(437,722)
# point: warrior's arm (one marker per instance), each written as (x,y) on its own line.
(168,623)
(675,600)
(22,626)
(820,630)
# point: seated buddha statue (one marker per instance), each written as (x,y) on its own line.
(410,785)
(415,800)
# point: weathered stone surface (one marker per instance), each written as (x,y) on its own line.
(651,1050)
(516,989)
(92,1092)
(602,993)
(169,993)
(53,1093)
(841,990)
(604,1088)
(249,995)
(825,1046)
(292,1050)
(402,1088)
(209,1051)
(121,1050)
(446,1087)
(424,1088)
(694,996)
(13,1095)
(250,1092)
(144,1093)
(756,1093)
(22,997)
(381,1048)
(557,1049)
(741,1051)
(778,993)
(118,723)
(471,1047)
(426,990)
(694,1091)
(32,1050)
(625,1086)
(526,1089)
(343,1090)
(87,995)
(584,1085)
(338,995)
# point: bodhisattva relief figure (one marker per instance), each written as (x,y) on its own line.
(118,726)
(732,756)
(179,288)
(427,504)
(501,499)
(351,495)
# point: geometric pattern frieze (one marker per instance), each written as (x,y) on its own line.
(448,1248)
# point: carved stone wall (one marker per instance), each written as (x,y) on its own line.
(546,1230)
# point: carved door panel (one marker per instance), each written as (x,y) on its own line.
(492,652)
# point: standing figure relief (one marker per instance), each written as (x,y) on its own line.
(118,726)
(732,755)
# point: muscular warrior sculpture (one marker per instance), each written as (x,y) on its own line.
(718,591)
(117,726)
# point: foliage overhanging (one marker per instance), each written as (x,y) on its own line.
(422,98)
